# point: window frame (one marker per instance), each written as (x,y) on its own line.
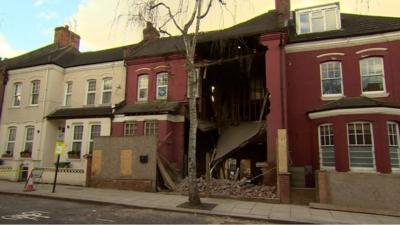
(158,75)
(361,169)
(134,128)
(155,128)
(91,138)
(90,91)
(8,142)
(31,141)
(68,93)
(366,93)
(310,11)
(73,140)
(106,91)
(398,142)
(35,92)
(142,76)
(341,80)
(320,145)
(16,95)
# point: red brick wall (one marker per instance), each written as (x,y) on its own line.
(304,94)
(176,80)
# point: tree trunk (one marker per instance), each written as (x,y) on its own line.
(194,198)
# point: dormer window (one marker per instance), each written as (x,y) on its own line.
(318,19)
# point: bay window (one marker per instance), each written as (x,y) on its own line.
(326,146)
(361,149)
(393,135)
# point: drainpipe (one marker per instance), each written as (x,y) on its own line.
(41,151)
(283,81)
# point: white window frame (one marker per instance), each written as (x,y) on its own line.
(158,85)
(68,93)
(11,141)
(34,92)
(90,91)
(362,169)
(91,140)
(104,91)
(17,95)
(134,125)
(142,76)
(73,140)
(397,136)
(321,9)
(372,93)
(26,137)
(338,95)
(320,145)
(154,128)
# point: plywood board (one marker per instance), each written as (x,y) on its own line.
(96,162)
(282,151)
(126,162)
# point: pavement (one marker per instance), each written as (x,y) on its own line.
(283,213)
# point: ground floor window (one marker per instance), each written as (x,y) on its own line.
(393,135)
(29,133)
(130,128)
(77,140)
(151,128)
(326,146)
(95,130)
(361,149)
(12,134)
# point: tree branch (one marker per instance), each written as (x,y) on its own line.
(192,17)
(169,13)
(208,9)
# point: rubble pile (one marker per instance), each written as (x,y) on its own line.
(230,188)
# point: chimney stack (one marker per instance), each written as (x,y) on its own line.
(283,9)
(150,33)
(64,37)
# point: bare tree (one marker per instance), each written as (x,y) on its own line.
(186,18)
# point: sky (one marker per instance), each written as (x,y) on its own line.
(26,25)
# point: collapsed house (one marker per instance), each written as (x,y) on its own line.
(304,100)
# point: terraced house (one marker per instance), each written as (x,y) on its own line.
(315,85)
(55,94)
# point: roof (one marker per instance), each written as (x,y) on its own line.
(355,102)
(64,57)
(236,137)
(163,46)
(149,107)
(352,25)
(84,112)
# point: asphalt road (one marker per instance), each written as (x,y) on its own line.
(16,209)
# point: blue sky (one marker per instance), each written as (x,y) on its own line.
(29,24)
(26,25)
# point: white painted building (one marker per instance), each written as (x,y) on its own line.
(56,93)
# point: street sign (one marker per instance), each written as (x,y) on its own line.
(59,147)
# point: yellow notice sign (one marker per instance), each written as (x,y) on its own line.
(59,147)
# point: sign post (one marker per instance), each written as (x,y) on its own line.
(59,150)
